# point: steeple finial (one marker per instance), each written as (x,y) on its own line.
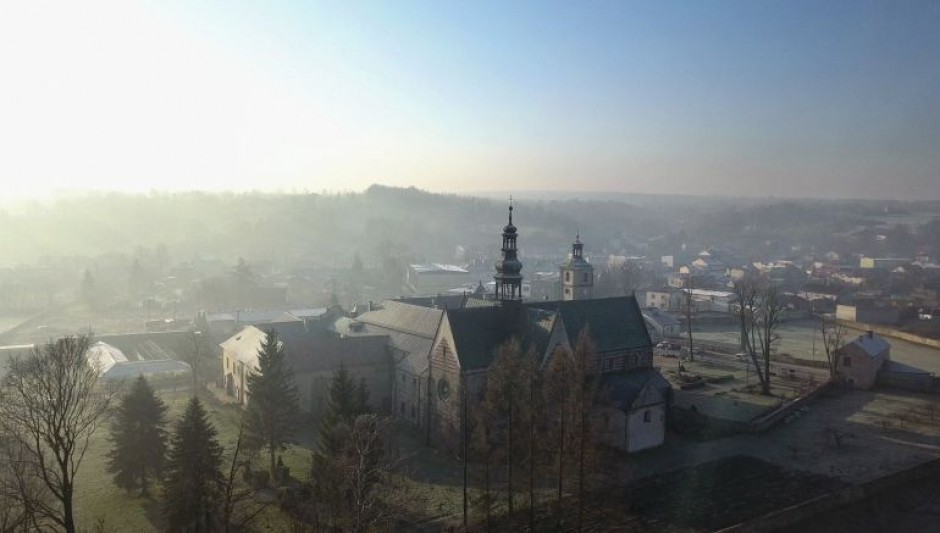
(510,210)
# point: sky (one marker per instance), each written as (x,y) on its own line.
(755,98)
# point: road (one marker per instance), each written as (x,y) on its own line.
(799,337)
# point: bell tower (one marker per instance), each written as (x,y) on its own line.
(508,276)
(577,275)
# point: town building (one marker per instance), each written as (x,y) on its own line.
(313,353)
(661,299)
(432,278)
(882,262)
(859,361)
(660,324)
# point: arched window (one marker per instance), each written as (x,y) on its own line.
(567,276)
(646,416)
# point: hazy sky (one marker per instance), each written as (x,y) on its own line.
(760,98)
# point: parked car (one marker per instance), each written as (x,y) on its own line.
(668,349)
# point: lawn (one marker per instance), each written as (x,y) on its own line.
(98,500)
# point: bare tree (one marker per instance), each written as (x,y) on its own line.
(833,336)
(239,508)
(195,352)
(53,404)
(21,492)
(760,312)
(688,312)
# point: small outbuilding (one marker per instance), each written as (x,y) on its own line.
(635,418)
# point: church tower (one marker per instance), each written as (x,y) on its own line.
(577,275)
(508,269)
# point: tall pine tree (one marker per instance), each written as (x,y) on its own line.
(194,477)
(346,401)
(273,408)
(139,438)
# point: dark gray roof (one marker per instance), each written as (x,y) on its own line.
(660,317)
(613,323)
(450,301)
(621,390)
(409,328)
(478,332)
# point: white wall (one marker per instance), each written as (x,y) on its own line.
(641,434)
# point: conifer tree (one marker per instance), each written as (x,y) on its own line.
(346,401)
(273,408)
(194,478)
(139,438)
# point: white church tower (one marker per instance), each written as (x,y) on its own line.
(577,275)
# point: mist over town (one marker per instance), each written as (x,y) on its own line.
(524,266)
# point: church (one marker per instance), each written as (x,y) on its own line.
(468,336)
(417,354)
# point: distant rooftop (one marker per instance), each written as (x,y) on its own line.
(438,268)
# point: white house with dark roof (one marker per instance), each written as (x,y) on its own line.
(858,362)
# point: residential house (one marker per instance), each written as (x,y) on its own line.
(859,361)
(661,298)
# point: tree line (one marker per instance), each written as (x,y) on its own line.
(536,431)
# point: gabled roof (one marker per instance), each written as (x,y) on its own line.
(622,390)
(660,317)
(404,317)
(414,347)
(871,344)
(308,350)
(478,332)
(132,369)
(613,323)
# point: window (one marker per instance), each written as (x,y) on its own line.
(567,276)
(402,408)
(608,364)
(443,390)
(567,290)
(584,278)
(646,416)
(846,361)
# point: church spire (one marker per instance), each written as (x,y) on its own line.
(508,276)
